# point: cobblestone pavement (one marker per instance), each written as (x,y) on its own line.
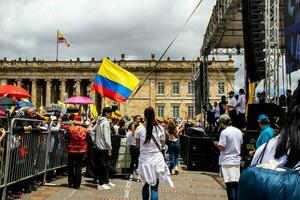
(188,186)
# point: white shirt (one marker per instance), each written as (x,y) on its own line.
(131,138)
(232,139)
(217,112)
(149,148)
(269,154)
(116,129)
(232,102)
(242,104)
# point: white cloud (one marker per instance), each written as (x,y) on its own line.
(98,28)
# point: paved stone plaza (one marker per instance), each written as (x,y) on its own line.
(188,186)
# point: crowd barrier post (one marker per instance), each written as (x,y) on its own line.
(7,158)
(47,151)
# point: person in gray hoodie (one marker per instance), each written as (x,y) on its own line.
(101,135)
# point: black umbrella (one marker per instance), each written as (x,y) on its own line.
(8,102)
(72,110)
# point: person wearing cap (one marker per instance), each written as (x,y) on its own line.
(230,142)
(231,107)
(101,135)
(266,133)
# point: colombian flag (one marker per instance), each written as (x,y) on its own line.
(114,82)
(61,39)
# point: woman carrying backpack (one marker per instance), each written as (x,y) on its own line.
(274,173)
(152,166)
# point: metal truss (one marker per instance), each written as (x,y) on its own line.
(225,52)
(222,15)
(273,51)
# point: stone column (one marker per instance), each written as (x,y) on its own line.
(3,81)
(91,92)
(33,91)
(48,92)
(19,82)
(78,81)
(62,89)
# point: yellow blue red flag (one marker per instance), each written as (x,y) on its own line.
(114,82)
(62,39)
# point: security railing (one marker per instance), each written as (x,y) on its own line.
(28,152)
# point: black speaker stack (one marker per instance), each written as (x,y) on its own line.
(254,38)
(199,152)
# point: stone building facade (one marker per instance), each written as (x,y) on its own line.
(168,88)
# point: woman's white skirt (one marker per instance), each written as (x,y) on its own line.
(152,168)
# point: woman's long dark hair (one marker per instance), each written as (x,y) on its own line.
(150,118)
(289,139)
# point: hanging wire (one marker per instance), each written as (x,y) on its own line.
(222,74)
(180,81)
(164,53)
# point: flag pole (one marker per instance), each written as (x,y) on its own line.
(57,45)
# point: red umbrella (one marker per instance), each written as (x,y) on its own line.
(14,91)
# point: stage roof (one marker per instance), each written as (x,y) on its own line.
(225,28)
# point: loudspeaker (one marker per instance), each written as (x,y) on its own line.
(200,154)
(254,38)
(273,111)
(196,132)
(197,163)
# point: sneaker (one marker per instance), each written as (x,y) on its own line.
(110,184)
(138,179)
(103,187)
(131,177)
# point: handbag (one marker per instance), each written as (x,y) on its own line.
(269,184)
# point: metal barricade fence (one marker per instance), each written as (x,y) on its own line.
(27,154)
(4,123)
(57,154)
(26,150)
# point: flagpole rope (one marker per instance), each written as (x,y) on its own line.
(164,53)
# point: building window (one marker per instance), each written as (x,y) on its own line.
(161,110)
(191,87)
(160,87)
(175,111)
(176,88)
(221,88)
(191,111)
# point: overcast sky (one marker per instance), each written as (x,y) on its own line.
(99,28)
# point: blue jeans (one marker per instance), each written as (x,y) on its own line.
(154,192)
(232,190)
(174,149)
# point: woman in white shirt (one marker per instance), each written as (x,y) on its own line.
(134,150)
(152,167)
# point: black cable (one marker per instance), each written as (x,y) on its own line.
(164,53)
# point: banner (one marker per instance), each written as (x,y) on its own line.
(292,34)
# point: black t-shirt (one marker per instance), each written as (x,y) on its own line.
(222,106)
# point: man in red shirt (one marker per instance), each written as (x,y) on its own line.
(77,146)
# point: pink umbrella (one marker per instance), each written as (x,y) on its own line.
(79,100)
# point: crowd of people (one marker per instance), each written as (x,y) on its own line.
(150,137)
(273,151)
